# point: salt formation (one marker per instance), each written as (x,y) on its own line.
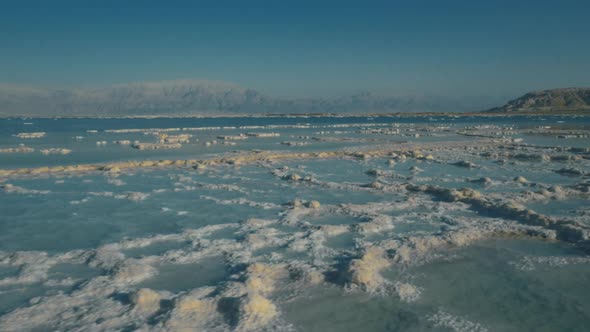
(466,164)
(225,239)
(458,324)
(364,271)
(263,134)
(171,139)
(313,205)
(156,146)
(55,151)
(256,312)
(146,300)
(232,137)
(133,196)
(570,171)
(484,181)
(20,149)
(407,292)
(291,143)
(292,177)
(209,143)
(10,188)
(193,311)
(31,135)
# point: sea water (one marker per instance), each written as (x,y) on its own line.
(296,224)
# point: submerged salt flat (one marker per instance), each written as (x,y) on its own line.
(295,224)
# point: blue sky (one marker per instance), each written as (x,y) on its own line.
(301,48)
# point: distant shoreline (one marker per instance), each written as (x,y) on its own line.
(312,115)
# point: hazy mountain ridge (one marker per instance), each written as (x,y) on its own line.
(143,98)
(564,99)
(194,97)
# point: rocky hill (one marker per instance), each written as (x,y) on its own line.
(555,100)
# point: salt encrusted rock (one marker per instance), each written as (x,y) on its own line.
(521,179)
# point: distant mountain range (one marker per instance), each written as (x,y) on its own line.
(199,97)
(555,100)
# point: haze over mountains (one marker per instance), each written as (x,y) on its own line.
(200,97)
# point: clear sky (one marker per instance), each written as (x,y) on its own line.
(302,48)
